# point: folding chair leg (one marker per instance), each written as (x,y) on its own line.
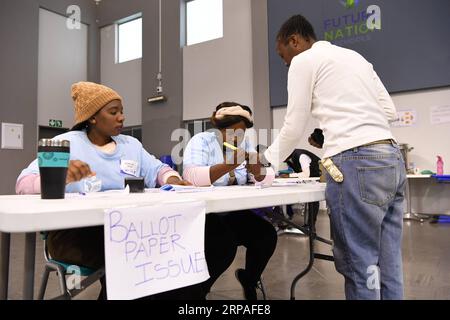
(261,287)
(62,283)
(44,282)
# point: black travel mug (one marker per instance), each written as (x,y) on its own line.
(53,158)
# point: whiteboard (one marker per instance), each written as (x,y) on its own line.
(62,61)
(427,139)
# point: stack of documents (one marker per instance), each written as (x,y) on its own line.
(184,189)
(283,182)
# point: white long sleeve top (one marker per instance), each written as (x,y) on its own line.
(343,92)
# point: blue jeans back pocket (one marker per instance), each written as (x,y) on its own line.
(377,184)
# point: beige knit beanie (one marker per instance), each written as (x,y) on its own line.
(89,97)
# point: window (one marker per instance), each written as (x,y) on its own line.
(204,20)
(135,132)
(130,40)
(197,126)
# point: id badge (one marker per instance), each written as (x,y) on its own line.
(129,167)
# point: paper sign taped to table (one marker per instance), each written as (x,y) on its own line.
(154,249)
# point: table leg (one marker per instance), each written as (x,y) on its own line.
(311,234)
(308,229)
(4,264)
(29,264)
(409,216)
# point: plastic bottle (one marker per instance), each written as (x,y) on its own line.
(440,166)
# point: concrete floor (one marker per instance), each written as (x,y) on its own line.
(426,256)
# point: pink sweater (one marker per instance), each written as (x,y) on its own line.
(31,184)
(199,176)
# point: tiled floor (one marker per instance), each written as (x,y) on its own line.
(426,256)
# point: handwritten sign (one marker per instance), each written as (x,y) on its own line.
(154,249)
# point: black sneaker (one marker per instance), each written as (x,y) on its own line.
(248,290)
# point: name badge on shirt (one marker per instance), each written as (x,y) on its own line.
(129,167)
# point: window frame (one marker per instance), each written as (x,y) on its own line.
(128,19)
(186,44)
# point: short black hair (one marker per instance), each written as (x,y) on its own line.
(228,121)
(318,137)
(81,126)
(296,25)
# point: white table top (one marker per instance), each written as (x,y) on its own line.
(29,213)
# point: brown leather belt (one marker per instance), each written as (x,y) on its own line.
(386,141)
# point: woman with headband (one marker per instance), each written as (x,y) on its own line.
(208,161)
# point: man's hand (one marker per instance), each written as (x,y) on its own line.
(176,181)
(78,170)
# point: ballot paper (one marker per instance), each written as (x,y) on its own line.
(184,189)
(284,182)
(99,194)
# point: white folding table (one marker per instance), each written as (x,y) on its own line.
(30,214)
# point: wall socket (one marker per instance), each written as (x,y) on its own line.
(12,136)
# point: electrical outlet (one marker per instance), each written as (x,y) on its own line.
(12,136)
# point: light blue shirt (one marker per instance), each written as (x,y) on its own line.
(205,150)
(107,167)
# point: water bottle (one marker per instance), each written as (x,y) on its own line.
(440,166)
(53,158)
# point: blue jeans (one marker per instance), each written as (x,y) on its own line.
(366,213)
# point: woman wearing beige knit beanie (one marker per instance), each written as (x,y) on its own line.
(100,160)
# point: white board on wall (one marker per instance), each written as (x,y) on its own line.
(63,60)
(427,139)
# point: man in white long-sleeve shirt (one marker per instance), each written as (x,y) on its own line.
(344,93)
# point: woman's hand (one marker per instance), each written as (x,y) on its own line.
(239,156)
(177,181)
(255,167)
(78,170)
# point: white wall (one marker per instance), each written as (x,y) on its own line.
(125,78)
(220,70)
(428,140)
(62,61)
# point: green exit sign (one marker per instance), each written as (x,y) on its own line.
(55,123)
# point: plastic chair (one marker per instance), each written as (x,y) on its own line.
(62,270)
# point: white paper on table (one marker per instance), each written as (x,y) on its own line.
(100,194)
(188,189)
(284,182)
(154,249)
(440,114)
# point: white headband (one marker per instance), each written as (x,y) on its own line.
(234,111)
